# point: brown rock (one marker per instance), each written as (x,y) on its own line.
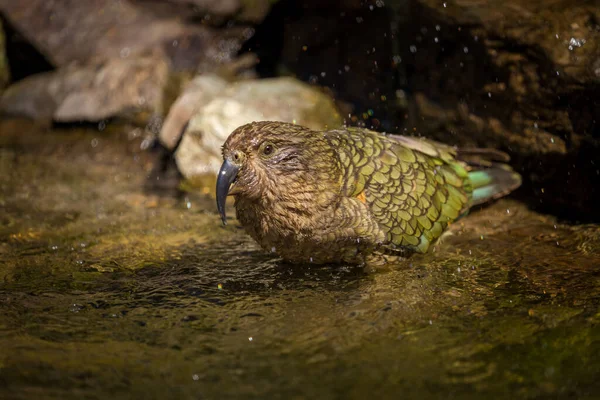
(518,75)
(86,31)
(117,87)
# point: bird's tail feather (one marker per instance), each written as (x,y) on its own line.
(493,183)
(489,176)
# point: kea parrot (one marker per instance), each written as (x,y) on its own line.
(345,195)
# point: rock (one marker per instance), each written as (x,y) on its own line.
(212,11)
(517,75)
(211,7)
(198,93)
(220,107)
(4,67)
(119,87)
(87,31)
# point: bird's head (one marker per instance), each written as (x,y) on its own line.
(271,160)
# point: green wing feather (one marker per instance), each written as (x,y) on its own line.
(414,188)
(437,189)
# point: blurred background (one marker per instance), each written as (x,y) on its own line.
(520,76)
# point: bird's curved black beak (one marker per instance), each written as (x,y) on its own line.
(227,175)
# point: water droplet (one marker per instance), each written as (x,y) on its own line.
(576,43)
(250,339)
(125,52)
(146,143)
(195,377)
(437,28)
(75,308)
(346,68)
(444,5)
(273,249)
(359,19)
(189,203)
(94,142)
(435,39)
(466,49)
(323,74)
(413,49)
(490,95)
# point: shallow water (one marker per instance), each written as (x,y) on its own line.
(110,290)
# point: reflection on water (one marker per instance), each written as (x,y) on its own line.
(109,291)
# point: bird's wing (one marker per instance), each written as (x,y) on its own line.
(414,188)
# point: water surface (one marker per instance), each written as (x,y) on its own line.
(109,289)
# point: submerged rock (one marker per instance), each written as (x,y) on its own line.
(119,87)
(219,107)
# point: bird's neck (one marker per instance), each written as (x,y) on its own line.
(296,206)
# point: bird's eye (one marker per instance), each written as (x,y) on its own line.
(268,149)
